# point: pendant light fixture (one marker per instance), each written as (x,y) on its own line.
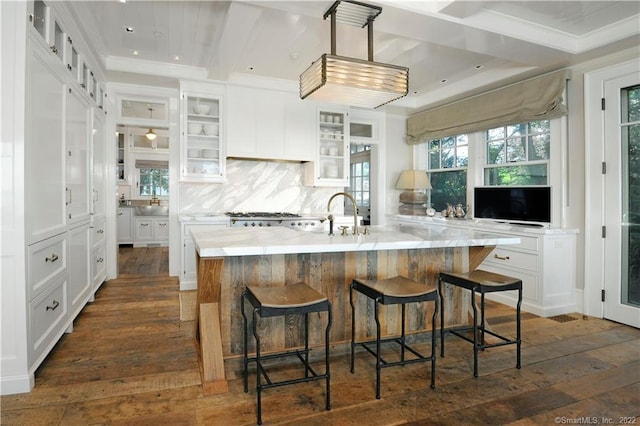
(151,135)
(349,81)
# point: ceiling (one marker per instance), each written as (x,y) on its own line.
(451,47)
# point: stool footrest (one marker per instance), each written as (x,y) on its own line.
(299,355)
(505,340)
(420,357)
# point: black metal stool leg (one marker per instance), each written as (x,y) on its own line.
(326,358)
(475,332)
(402,335)
(378,362)
(433,343)
(258,365)
(245,358)
(482,320)
(440,292)
(353,328)
(518,325)
(306,344)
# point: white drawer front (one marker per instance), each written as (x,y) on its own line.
(47,313)
(98,233)
(527,243)
(161,231)
(99,266)
(513,259)
(46,259)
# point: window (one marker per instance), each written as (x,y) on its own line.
(518,154)
(154,182)
(447,161)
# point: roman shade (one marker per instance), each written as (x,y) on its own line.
(152,164)
(539,98)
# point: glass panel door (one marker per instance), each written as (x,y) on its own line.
(622,196)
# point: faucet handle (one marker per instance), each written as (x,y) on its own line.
(344,230)
(365,230)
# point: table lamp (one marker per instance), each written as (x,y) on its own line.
(412,201)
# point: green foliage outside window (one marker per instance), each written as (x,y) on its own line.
(154,182)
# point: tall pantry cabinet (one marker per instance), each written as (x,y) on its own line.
(58,123)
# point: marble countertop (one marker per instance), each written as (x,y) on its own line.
(483,224)
(264,241)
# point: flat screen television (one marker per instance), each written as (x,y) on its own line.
(517,204)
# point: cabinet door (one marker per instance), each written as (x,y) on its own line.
(124,224)
(202,150)
(331,167)
(300,129)
(98,169)
(77,158)
(144,229)
(161,230)
(44,162)
(79,269)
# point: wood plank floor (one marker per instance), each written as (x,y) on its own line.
(131,361)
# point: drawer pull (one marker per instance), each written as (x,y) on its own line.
(501,257)
(162,224)
(100,260)
(51,259)
(53,306)
(100,231)
(144,224)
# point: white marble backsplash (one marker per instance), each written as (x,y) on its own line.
(257,186)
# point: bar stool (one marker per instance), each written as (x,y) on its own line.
(482,282)
(295,299)
(393,291)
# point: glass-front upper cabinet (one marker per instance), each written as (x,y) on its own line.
(121,153)
(331,167)
(46,24)
(202,149)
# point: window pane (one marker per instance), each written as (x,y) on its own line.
(540,126)
(535,174)
(495,133)
(516,130)
(462,140)
(463,156)
(448,142)
(434,145)
(434,160)
(515,150)
(495,152)
(448,158)
(365,168)
(358,171)
(448,187)
(539,147)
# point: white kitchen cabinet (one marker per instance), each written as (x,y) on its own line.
(151,230)
(77,137)
(124,223)
(544,260)
(47,319)
(202,155)
(48,27)
(269,124)
(45,150)
(98,253)
(331,164)
(46,260)
(98,168)
(188,258)
(79,284)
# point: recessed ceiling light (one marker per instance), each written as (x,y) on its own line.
(444,80)
(415,92)
(250,68)
(294,56)
(157,34)
(129,29)
(478,67)
(176,58)
(135,52)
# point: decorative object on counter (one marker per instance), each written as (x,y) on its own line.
(412,201)
(458,211)
(431,212)
(349,81)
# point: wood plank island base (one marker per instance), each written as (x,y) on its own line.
(231,258)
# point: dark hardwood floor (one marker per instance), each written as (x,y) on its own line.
(131,361)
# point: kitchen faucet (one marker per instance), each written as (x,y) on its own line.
(355,212)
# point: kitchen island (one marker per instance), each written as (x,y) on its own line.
(231,258)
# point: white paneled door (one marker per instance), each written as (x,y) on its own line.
(622,199)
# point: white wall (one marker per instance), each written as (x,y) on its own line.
(398,157)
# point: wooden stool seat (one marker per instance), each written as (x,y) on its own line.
(294,299)
(393,291)
(480,281)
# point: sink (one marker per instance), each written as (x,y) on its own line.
(152,210)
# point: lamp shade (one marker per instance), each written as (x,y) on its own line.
(413,179)
(353,82)
(151,135)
